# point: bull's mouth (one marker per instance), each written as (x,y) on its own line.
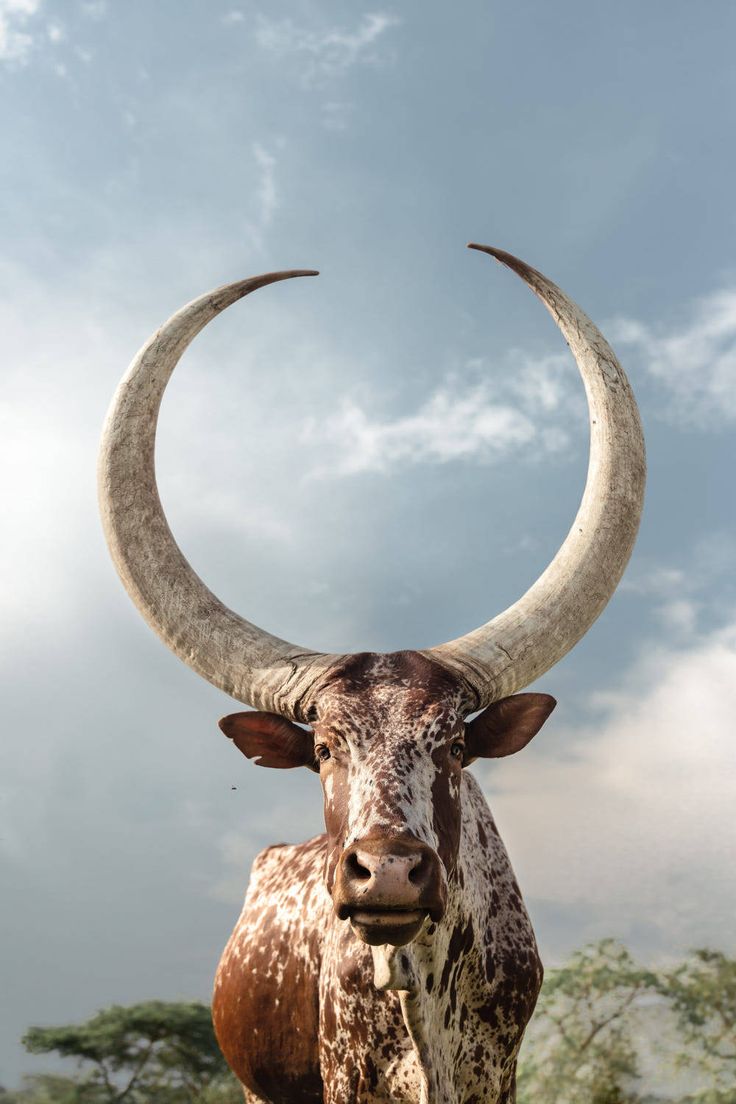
(395,926)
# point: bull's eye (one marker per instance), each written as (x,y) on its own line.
(322,752)
(457,750)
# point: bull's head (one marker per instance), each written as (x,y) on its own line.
(389,741)
(388,732)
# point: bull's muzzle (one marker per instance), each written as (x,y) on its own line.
(387,887)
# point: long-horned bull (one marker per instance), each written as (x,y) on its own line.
(392,958)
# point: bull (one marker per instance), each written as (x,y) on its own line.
(392,957)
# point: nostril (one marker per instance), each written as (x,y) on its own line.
(356,870)
(418,872)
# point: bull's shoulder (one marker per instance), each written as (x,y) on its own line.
(285,867)
(266,1000)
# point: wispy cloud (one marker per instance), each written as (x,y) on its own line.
(451,425)
(95,9)
(683,597)
(680,616)
(265,194)
(266,191)
(660,580)
(466,418)
(694,361)
(330,52)
(16,39)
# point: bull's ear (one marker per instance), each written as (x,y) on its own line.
(506,726)
(271,740)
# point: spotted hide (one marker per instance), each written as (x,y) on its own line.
(330,988)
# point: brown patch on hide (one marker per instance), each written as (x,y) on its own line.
(265,1007)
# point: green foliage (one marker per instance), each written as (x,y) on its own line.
(47,1088)
(224,1090)
(582,1049)
(702,994)
(154,1051)
(711,1096)
(50,1089)
(596,1012)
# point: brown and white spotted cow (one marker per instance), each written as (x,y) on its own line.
(392,958)
(434,994)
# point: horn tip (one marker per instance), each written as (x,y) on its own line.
(290,273)
(499,254)
(521,268)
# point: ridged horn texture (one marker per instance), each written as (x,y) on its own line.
(524,641)
(236,656)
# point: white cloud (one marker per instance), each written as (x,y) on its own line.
(266,191)
(659,580)
(680,616)
(464,419)
(49,425)
(684,595)
(16,42)
(328,53)
(543,383)
(451,425)
(95,9)
(635,825)
(232,17)
(695,361)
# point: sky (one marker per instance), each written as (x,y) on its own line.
(380,458)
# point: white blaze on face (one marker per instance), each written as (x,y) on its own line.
(388,723)
(390,789)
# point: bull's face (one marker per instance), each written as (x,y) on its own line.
(390,742)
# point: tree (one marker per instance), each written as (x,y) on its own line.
(582,1044)
(224,1090)
(154,1051)
(48,1088)
(702,993)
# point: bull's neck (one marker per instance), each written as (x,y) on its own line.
(438,974)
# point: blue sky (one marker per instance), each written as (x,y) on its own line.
(383,457)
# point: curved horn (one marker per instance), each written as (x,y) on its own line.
(525,640)
(239,658)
